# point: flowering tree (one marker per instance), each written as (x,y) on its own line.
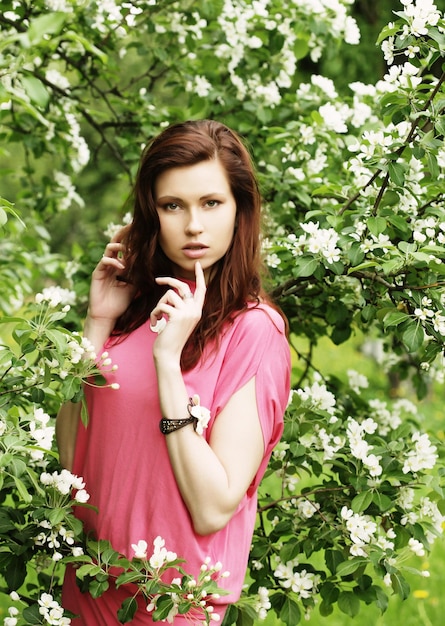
(353,187)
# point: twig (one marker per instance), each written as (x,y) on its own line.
(398,153)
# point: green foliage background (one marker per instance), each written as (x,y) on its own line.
(351,162)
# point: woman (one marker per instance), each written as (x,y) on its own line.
(190,257)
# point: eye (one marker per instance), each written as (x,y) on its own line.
(213,203)
(171,206)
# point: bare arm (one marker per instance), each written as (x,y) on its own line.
(66,431)
(212,477)
(109,298)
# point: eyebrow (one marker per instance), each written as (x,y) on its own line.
(207,196)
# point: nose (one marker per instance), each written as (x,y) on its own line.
(194,224)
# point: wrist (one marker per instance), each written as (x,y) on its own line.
(167,361)
(97,330)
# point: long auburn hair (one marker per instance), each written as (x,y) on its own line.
(235,279)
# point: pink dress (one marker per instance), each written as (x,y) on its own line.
(123,458)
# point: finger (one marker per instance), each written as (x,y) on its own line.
(113,249)
(182,288)
(201,288)
(161,309)
(120,234)
(110,262)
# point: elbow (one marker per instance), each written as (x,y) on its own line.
(210,522)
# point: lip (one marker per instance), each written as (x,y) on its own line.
(194,250)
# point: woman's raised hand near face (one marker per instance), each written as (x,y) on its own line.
(109,296)
(182,310)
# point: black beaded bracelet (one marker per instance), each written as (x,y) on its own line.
(167,426)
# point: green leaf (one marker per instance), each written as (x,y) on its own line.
(413,337)
(383,502)
(394,318)
(36,91)
(325,608)
(399,222)
(349,567)
(305,266)
(329,592)
(88,570)
(381,599)
(231,615)
(32,614)
(98,587)
(58,338)
(23,492)
(361,501)
(245,618)
(376,225)
(356,254)
(127,611)
(301,48)
(348,603)
(163,607)
(396,173)
(15,572)
(47,24)
(400,585)
(388,31)
(290,613)
(333,559)
(127,577)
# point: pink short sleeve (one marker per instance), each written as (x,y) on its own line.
(258,348)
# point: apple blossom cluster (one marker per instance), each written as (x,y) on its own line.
(291,576)
(67,191)
(243,24)
(356,438)
(356,380)
(42,432)
(105,14)
(64,482)
(434,318)
(62,490)
(160,557)
(419,15)
(425,511)
(360,449)
(82,348)
(316,396)
(112,229)
(56,296)
(317,241)
(422,456)
(362,531)
(192,590)
(262,602)
(58,538)
(51,611)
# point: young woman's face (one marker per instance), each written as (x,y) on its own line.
(197,213)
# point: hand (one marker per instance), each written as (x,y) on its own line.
(183,311)
(109,296)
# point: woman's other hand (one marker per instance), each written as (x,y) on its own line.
(182,309)
(110,294)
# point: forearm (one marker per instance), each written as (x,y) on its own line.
(67,423)
(201,477)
